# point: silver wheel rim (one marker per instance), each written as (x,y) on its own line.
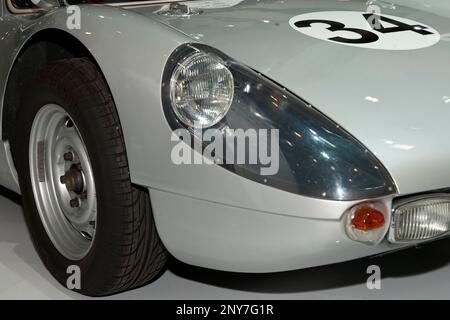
(63,182)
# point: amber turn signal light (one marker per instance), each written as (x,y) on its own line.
(367,222)
(367,218)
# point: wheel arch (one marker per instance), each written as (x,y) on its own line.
(44,46)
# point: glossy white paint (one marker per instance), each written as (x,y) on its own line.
(8,49)
(8,174)
(394,102)
(236,239)
(135,85)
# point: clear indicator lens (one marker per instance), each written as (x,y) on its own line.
(423,219)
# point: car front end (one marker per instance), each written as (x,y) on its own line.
(356,176)
(263,136)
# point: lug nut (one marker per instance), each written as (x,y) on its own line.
(62,179)
(75,203)
(68,156)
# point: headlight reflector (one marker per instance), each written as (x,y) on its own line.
(201,90)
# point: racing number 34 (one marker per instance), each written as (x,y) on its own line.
(365,35)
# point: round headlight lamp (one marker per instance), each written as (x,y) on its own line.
(201,90)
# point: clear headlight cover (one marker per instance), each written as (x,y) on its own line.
(201,90)
(317,157)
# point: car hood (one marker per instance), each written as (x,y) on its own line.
(396,102)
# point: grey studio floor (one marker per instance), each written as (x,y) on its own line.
(410,274)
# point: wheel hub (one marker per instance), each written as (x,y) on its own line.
(74,180)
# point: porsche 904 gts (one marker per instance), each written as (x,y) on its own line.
(102,102)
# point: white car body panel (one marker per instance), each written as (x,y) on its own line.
(228,238)
(208,216)
(407,129)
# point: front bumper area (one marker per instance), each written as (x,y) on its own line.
(223,237)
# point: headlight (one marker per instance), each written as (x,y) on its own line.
(317,158)
(201,89)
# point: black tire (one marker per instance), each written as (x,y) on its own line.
(126,251)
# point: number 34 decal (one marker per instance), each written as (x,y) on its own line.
(367,30)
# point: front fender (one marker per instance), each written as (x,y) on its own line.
(131,51)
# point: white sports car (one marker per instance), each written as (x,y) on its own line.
(249,136)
